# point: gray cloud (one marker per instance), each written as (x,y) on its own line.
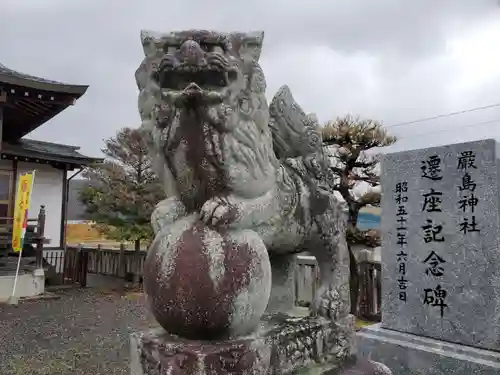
(379,59)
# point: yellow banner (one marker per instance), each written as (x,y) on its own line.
(23,197)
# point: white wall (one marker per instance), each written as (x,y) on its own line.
(47,190)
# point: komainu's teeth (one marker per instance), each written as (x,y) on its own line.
(188,68)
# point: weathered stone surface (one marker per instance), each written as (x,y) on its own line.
(457,269)
(282,346)
(408,354)
(234,161)
(302,342)
(362,367)
(160,353)
(282,298)
(206,284)
(367,368)
(236,171)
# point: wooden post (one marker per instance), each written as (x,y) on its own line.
(66,263)
(370,291)
(64,207)
(363,298)
(135,262)
(1,123)
(98,260)
(378,286)
(83,266)
(76,264)
(3,100)
(296,273)
(15,168)
(122,267)
(40,234)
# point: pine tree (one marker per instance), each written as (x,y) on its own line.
(123,190)
(347,140)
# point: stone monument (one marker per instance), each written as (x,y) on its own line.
(440,262)
(247,187)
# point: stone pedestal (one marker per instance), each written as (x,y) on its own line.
(440,276)
(30,281)
(283,345)
(158,353)
(410,354)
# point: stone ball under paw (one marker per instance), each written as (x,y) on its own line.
(207,284)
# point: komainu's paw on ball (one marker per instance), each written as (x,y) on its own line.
(218,211)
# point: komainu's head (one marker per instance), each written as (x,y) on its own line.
(197,68)
(209,83)
(206,68)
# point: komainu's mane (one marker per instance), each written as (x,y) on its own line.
(294,133)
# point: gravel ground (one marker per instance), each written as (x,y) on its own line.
(84,332)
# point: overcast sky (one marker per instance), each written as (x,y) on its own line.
(390,60)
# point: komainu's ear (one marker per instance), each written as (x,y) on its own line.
(151,43)
(247,44)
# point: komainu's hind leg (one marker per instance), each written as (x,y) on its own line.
(333,298)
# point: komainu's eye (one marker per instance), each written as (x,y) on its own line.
(218,49)
(244,104)
(206,47)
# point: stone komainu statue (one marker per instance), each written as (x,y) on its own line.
(235,163)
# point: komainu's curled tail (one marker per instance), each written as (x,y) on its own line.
(297,143)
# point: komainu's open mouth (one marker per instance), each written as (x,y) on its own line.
(194,85)
(196,71)
(206,78)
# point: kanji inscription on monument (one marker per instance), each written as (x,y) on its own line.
(446,249)
(401,199)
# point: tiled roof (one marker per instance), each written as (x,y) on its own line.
(47,151)
(5,70)
(16,78)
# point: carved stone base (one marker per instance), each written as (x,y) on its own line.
(409,354)
(357,366)
(282,346)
